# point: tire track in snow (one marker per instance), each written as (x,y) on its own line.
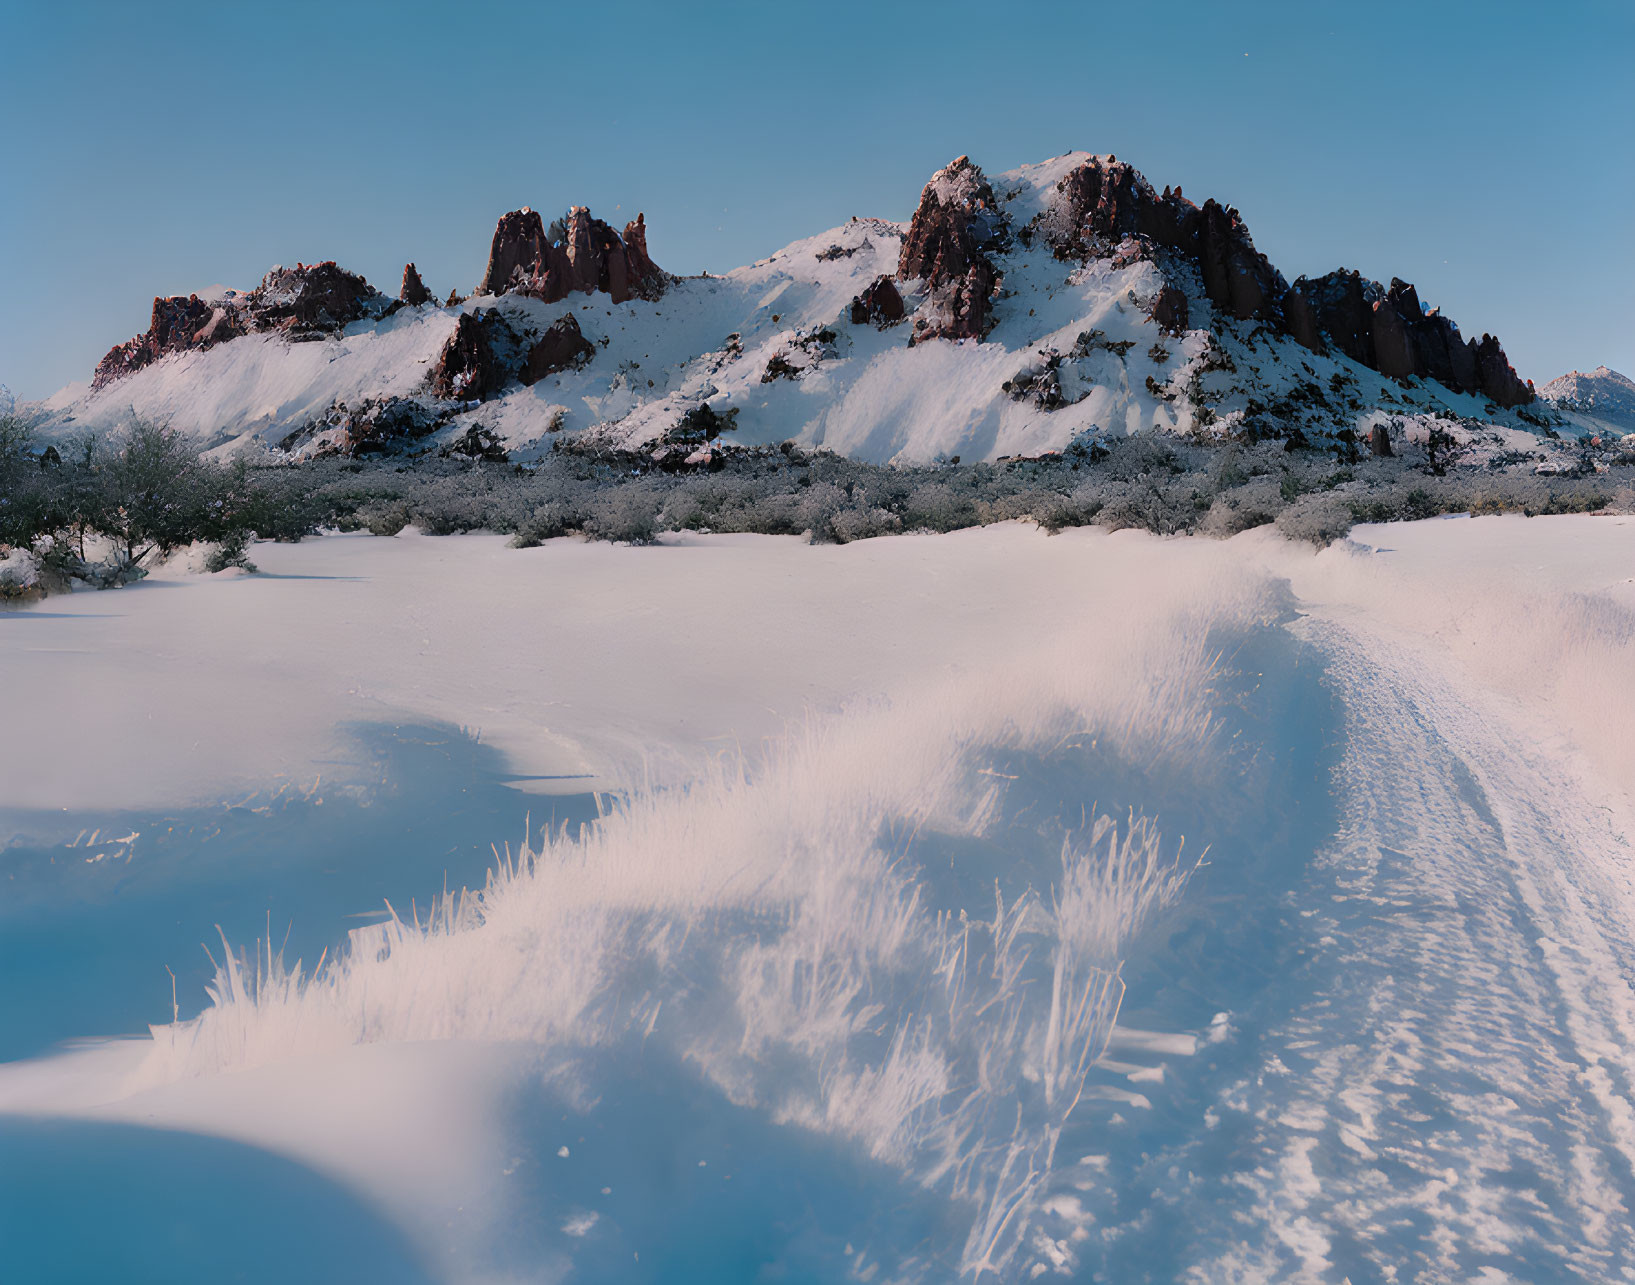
(1439,1087)
(1470,1048)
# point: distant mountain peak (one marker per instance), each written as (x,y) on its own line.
(1603,393)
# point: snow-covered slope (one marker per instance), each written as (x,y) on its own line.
(1068,346)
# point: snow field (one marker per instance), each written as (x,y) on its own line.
(1208,910)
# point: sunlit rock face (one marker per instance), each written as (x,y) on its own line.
(576,253)
(956,227)
(308,301)
(1105,201)
(413,291)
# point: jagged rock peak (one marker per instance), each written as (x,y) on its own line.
(1104,201)
(957,225)
(576,252)
(961,182)
(312,298)
(485,354)
(413,292)
(178,323)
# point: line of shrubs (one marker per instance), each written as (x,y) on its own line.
(102,511)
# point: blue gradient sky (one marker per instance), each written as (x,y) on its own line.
(1484,151)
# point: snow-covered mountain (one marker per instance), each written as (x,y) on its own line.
(1602,394)
(1011,316)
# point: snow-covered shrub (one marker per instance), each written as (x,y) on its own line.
(385,519)
(939,506)
(1162,505)
(1318,519)
(1256,502)
(233,550)
(863,523)
(144,493)
(627,514)
(1134,457)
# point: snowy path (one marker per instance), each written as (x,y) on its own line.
(1441,1088)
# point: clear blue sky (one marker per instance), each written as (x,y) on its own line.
(1485,151)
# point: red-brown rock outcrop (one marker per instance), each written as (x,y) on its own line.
(307,301)
(179,323)
(881,304)
(956,227)
(1169,310)
(563,346)
(1389,330)
(577,252)
(311,300)
(1105,201)
(478,360)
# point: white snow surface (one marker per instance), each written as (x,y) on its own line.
(1385,1031)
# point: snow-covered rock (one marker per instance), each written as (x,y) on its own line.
(1057,301)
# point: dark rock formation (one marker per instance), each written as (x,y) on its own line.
(647,275)
(179,323)
(478,360)
(1103,202)
(414,292)
(1169,310)
(880,304)
(311,300)
(1379,441)
(563,346)
(1497,378)
(376,426)
(1237,277)
(477,443)
(518,248)
(1393,347)
(307,301)
(1338,307)
(1388,330)
(956,227)
(577,252)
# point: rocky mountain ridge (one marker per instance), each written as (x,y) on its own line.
(1011,315)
